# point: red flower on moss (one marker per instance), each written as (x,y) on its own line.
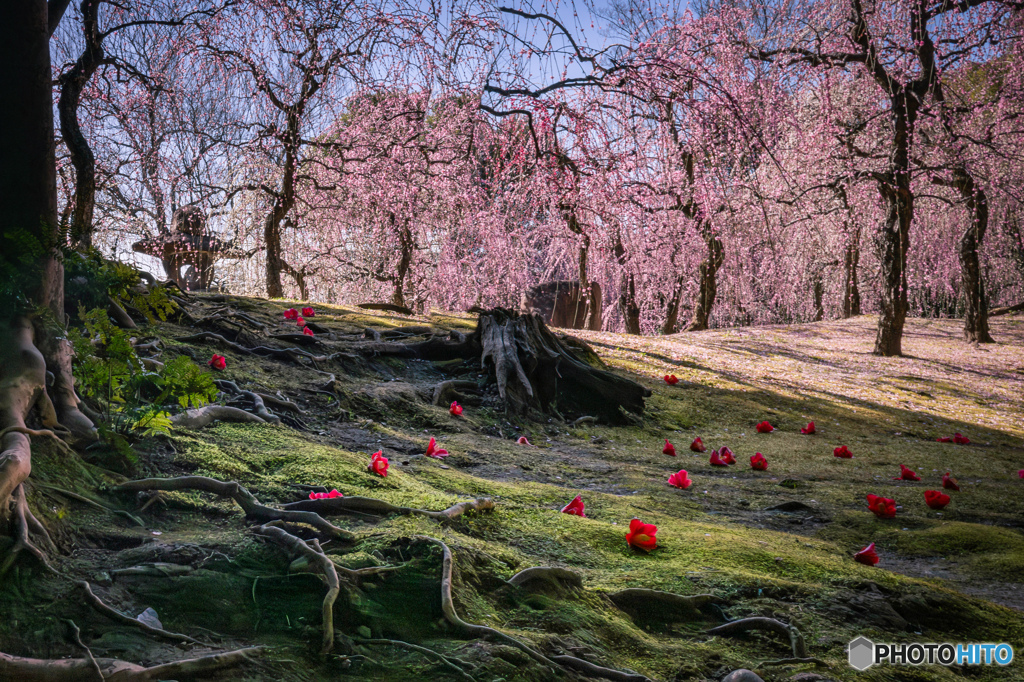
(309,312)
(882,507)
(716,459)
(642,535)
(944,439)
(325,496)
(669,449)
(961,439)
(843,452)
(218,362)
(949,483)
(575,507)
(291,314)
(379,463)
(936,499)
(758,462)
(522,441)
(455,409)
(808,430)
(764,427)
(434,451)
(1020,473)
(300,321)
(680,479)
(867,556)
(671,379)
(307,331)
(906,474)
(698,445)
(726,454)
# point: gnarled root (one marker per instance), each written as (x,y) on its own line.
(116,615)
(645,602)
(429,653)
(369,505)
(592,670)
(767,624)
(17,669)
(553,575)
(204,416)
(315,555)
(246,500)
(292,354)
(256,399)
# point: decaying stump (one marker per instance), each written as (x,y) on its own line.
(535,370)
(565,304)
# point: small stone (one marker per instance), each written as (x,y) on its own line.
(364,632)
(742,675)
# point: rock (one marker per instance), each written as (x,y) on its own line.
(742,675)
(364,632)
(150,618)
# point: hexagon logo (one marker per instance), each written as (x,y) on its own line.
(861,653)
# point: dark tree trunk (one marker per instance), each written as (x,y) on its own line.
(628,306)
(72,84)
(407,248)
(672,310)
(892,242)
(976,328)
(275,261)
(819,295)
(851,288)
(708,275)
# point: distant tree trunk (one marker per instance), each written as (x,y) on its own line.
(407,249)
(893,241)
(627,292)
(708,282)
(976,328)
(819,295)
(72,84)
(672,310)
(851,289)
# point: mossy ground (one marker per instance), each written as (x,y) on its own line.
(955,575)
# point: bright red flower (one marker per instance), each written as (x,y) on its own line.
(726,455)
(575,507)
(455,409)
(867,556)
(1020,473)
(680,479)
(882,507)
(716,459)
(218,362)
(291,314)
(325,496)
(906,474)
(961,439)
(642,535)
(765,427)
(522,441)
(758,462)
(843,452)
(669,449)
(949,483)
(307,331)
(434,451)
(698,445)
(671,379)
(309,312)
(300,321)
(808,430)
(379,463)
(936,499)
(944,439)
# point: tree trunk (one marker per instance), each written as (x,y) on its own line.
(976,306)
(72,84)
(627,293)
(275,262)
(407,246)
(892,242)
(819,295)
(851,288)
(708,274)
(672,311)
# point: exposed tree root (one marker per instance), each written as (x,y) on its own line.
(1006,310)
(118,315)
(199,417)
(292,354)
(96,505)
(591,670)
(17,669)
(256,399)
(385,306)
(116,615)
(429,653)
(315,555)
(553,575)
(647,602)
(246,500)
(280,403)
(794,661)
(369,505)
(22,541)
(447,391)
(735,627)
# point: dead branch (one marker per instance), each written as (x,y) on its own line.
(767,624)
(429,653)
(297,547)
(370,505)
(18,669)
(247,501)
(116,615)
(199,417)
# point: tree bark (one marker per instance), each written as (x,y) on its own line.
(708,275)
(976,329)
(851,288)
(672,311)
(628,306)
(892,243)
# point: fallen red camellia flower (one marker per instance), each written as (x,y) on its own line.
(1020,473)
(883,507)
(309,312)
(669,449)
(434,451)
(325,496)
(379,463)
(455,409)
(906,474)
(307,331)
(698,445)
(671,379)
(961,439)
(641,535)
(808,430)
(758,462)
(949,483)
(522,441)
(842,451)
(726,454)
(867,556)
(575,507)
(716,459)
(944,439)
(765,427)
(300,321)
(291,314)
(218,362)
(936,499)
(680,479)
